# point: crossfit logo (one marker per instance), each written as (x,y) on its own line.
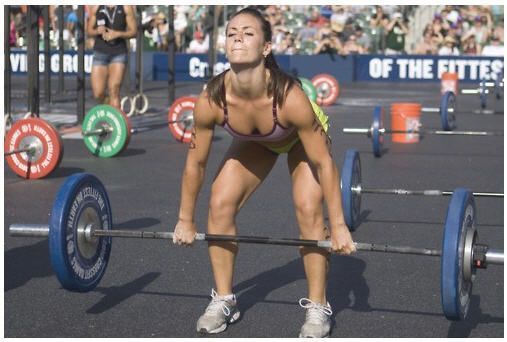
(198,69)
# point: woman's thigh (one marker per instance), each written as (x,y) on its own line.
(99,79)
(244,167)
(116,73)
(306,189)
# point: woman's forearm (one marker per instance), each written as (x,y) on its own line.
(330,183)
(191,185)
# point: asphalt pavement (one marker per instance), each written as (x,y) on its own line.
(155,289)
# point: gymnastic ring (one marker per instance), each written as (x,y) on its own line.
(145,102)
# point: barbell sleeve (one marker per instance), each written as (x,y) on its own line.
(473,91)
(356,130)
(494,257)
(33,230)
(435,110)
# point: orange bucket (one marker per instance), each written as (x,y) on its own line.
(449,82)
(405,117)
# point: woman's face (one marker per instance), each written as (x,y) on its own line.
(245,40)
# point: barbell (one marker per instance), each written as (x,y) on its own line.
(80,233)
(483,89)
(33,148)
(106,130)
(352,189)
(377,131)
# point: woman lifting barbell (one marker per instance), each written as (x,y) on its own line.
(111,26)
(267,114)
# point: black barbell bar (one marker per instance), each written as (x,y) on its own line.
(493,256)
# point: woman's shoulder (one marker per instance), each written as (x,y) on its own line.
(206,109)
(94,8)
(128,9)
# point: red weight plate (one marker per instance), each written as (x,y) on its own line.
(44,138)
(328,89)
(181,109)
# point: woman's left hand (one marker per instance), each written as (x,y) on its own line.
(109,35)
(341,240)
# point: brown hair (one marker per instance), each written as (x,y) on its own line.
(279,82)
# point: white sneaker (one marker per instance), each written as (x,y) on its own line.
(222,310)
(318,319)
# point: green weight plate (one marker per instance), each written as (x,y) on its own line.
(309,89)
(109,143)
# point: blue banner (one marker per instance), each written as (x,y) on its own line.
(425,68)
(340,67)
(194,67)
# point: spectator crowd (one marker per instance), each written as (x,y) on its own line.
(298,29)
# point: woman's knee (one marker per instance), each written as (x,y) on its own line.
(99,95)
(222,210)
(310,217)
(114,90)
(307,208)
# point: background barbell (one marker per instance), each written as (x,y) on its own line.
(377,131)
(352,189)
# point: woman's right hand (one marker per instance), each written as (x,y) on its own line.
(184,233)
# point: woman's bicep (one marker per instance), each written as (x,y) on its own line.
(310,127)
(202,132)
(131,20)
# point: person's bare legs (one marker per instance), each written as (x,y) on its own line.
(116,73)
(243,169)
(99,82)
(308,201)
